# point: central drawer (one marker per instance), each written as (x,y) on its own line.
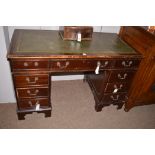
(76,65)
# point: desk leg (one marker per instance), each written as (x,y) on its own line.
(48,113)
(21,116)
(98,107)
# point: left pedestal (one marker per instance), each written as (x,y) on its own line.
(32,87)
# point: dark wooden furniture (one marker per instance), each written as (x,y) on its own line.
(142,90)
(71,32)
(35,55)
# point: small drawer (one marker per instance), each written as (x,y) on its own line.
(113,98)
(30,80)
(127,63)
(29,64)
(32,92)
(61,65)
(32,103)
(117,87)
(121,76)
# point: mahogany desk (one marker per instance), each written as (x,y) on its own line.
(36,55)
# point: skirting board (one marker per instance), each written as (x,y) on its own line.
(67,77)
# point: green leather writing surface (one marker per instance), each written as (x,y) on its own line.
(50,42)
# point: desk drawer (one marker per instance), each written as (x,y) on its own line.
(117,87)
(121,76)
(110,98)
(31,103)
(29,64)
(130,63)
(31,80)
(32,92)
(61,65)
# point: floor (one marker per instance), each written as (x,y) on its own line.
(73,108)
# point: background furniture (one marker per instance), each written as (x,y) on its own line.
(143,87)
(35,55)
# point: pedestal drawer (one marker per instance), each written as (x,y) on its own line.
(110,98)
(121,76)
(117,87)
(32,92)
(127,64)
(31,80)
(62,65)
(32,103)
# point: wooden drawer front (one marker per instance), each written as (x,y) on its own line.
(117,87)
(113,98)
(127,63)
(31,103)
(29,64)
(32,92)
(121,76)
(81,64)
(31,80)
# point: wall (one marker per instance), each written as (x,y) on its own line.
(6,87)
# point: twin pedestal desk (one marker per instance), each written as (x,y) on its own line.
(108,63)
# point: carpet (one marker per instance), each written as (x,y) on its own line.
(73,108)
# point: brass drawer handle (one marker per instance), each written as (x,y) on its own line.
(32,82)
(127,65)
(37,104)
(122,77)
(114,98)
(63,66)
(30,103)
(117,88)
(26,64)
(32,94)
(105,64)
(36,64)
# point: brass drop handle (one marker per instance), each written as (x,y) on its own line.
(63,66)
(117,88)
(37,105)
(30,103)
(33,94)
(114,98)
(105,64)
(32,82)
(26,64)
(122,77)
(36,64)
(125,64)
